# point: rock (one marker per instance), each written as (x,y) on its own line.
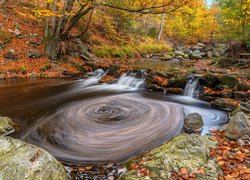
(225,104)
(217,54)
(189,151)
(179,53)
(243,87)
(209,54)
(20,160)
(196,55)
(238,126)
(17,32)
(209,80)
(33,35)
(201,45)
(2,76)
(179,57)
(10,55)
(167,57)
(34,54)
(228,80)
(241,94)
(193,123)
(173,90)
(6,126)
(34,43)
(178,82)
(197,47)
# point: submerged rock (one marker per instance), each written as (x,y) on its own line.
(238,126)
(6,126)
(20,160)
(193,123)
(189,151)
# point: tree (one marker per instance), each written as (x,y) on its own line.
(62,15)
(235,18)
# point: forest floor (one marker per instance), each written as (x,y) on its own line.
(232,157)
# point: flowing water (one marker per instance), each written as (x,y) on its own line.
(191,88)
(83,122)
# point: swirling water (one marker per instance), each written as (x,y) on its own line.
(83,122)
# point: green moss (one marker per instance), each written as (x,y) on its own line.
(189,151)
(5,37)
(45,68)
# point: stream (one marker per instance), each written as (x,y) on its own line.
(84,122)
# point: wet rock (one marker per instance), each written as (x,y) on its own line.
(228,80)
(34,54)
(225,104)
(239,126)
(20,160)
(178,82)
(209,80)
(193,123)
(189,151)
(173,91)
(6,126)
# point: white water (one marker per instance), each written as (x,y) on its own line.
(95,78)
(190,88)
(130,81)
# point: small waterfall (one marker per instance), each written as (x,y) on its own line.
(131,81)
(94,79)
(191,87)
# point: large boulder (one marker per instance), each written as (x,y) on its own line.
(189,151)
(239,125)
(193,123)
(20,160)
(6,126)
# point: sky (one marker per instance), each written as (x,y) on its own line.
(209,2)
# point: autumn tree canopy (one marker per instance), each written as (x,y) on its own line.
(62,15)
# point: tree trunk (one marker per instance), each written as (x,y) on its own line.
(53,48)
(161,28)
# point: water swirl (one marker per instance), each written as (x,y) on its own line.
(111,128)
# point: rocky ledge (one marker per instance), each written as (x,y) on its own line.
(21,160)
(184,151)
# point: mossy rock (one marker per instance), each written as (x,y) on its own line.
(6,126)
(230,81)
(189,151)
(179,82)
(20,160)
(209,80)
